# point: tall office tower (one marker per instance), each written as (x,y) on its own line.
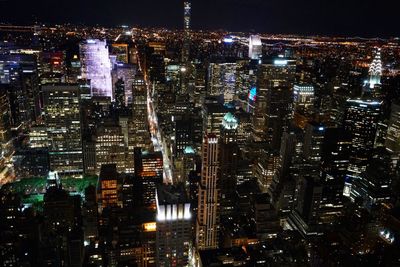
(5,129)
(255,47)
(273,109)
(229,154)
(186,68)
(222,80)
(174,226)
(96,66)
(62,117)
(110,147)
(213,116)
(265,168)
(334,161)
(305,216)
(140,125)
(207,226)
(287,152)
(393,133)
(186,29)
(375,72)
(374,186)
(183,134)
(108,186)
(303,96)
(361,119)
(123,76)
(313,140)
(18,75)
(149,170)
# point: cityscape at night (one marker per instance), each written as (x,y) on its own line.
(199,133)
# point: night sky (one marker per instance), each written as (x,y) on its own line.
(369,18)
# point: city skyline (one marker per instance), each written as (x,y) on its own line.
(334,18)
(153,147)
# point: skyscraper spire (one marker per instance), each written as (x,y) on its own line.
(187,6)
(375,70)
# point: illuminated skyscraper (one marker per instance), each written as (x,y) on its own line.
(123,77)
(393,133)
(229,154)
(375,72)
(5,128)
(222,80)
(361,121)
(149,169)
(374,186)
(255,47)
(313,140)
(107,187)
(303,96)
(140,136)
(63,120)
(186,27)
(110,147)
(273,108)
(174,226)
(96,66)
(207,226)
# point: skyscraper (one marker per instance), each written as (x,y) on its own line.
(273,109)
(255,47)
(361,121)
(375,73)
(186,28)
(207,226)
(140,136)
(303,96)
(108,186)
(63,120)
(96,66)
(174,225)
(393,133)
(149,170)
(110,147)
(222,80)
(229,153)
(313,140)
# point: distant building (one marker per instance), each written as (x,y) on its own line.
(96,66)
(255,47)
(222,80)
(303,96)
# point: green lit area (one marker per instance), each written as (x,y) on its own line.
(32,189)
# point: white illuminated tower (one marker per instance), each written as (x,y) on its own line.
(174,226)
(375,70)
(96,67)
(186,27)
(207,226)
(255,47)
